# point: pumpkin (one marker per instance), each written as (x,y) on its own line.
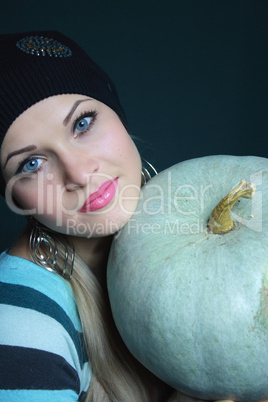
(189,292)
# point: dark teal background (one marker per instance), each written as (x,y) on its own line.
(191,74)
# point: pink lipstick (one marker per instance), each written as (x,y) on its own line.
(100,198)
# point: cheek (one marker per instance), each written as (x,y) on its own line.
(134,164)
(127,150)
(118,142)
(47,202)
(27,200)
(34,198)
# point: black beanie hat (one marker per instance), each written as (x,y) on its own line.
(36,65)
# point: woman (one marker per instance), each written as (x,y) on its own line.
(69,165)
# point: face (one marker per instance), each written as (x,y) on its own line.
(69,162)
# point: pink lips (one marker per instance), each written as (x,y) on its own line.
(100,198)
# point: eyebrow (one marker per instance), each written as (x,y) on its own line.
(18,152)
(65,122)
(73,109)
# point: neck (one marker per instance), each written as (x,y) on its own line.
(94,252)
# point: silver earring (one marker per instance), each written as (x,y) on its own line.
(45,252)
(147,171)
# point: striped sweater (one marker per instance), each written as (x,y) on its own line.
(41,345)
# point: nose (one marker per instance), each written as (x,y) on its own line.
(77,168)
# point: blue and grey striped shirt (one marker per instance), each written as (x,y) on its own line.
(41,343)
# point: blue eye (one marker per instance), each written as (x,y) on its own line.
(83,123)
(30,166)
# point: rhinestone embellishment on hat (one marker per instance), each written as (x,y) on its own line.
(43,46)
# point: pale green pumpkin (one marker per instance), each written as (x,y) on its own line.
(191,305)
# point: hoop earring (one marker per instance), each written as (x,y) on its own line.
(146,174)
(44,250)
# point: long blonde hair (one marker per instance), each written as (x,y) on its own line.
(116,375)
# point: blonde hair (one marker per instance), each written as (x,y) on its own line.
(116,375)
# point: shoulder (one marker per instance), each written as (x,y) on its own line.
(41,330)
(31,286)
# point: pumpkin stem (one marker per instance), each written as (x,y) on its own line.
(220,219)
